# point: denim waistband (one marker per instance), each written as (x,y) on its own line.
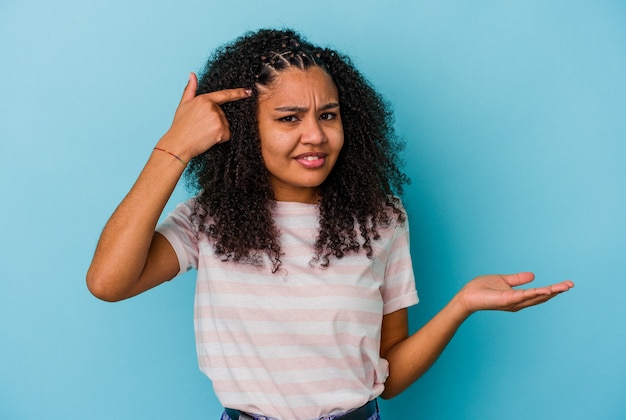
(362,413)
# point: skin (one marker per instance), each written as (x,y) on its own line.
(131,257)
(300,131)
(297,116)
(410,357)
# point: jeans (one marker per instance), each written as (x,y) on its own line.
(375,416)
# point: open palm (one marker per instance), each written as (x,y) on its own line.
(496,292)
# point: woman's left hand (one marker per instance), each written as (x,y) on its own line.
(496,292)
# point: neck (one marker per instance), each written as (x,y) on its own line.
(309,196)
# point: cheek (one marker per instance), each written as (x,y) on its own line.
(273,155)
(267,155)
(270,149)
(340,139)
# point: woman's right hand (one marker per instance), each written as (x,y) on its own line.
(199,122)
(130,257)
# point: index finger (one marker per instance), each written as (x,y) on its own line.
(228,95)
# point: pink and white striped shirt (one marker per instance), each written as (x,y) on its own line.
(303,342)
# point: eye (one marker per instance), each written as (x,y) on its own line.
(328,116)
(288,119)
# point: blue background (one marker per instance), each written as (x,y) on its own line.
(514,114)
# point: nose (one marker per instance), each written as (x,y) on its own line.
(312,131)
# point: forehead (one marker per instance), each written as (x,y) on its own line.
(295,84)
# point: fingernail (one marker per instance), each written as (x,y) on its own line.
(248,92)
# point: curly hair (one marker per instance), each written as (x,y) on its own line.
(235,199)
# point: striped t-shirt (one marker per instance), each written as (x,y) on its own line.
(303,342)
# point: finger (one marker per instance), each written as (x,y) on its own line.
(190,90)
(537,300)
(551,289)
(524,298)
(225,135)
(228,95)
(540,293)
(530,302)
(518,279)
(561,287)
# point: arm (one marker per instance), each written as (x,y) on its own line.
(130,257)
(410,357)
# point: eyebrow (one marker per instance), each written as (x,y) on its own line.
(326,107)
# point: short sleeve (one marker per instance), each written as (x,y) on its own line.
(399,288)
(178,229)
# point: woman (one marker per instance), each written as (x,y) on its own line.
(299,239)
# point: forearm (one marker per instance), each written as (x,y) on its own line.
(123,247)
(412,357)
(129,257)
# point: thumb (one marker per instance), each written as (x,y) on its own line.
(190,90)
(518,279)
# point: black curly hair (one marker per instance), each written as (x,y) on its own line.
(235,199)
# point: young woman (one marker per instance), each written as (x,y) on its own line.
(300,242)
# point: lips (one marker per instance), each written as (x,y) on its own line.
(311,160)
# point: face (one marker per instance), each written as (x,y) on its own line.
(300,131)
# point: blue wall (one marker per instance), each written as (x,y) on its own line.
(514,113)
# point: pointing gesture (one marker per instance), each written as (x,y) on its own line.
(130,258)
(199,122)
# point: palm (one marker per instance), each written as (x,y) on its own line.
(496,292)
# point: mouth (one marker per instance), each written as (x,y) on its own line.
(311,160)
